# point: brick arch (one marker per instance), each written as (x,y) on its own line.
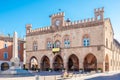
(86,36)
(90,62)
(58,62)
(57,37)
(106,62)
(66,36)
(31,65)
(55,42)
(45,63)
(73,62)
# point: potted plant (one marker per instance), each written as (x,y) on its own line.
(99,70)
(50,70)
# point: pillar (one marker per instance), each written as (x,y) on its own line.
(101,65)
(81,65)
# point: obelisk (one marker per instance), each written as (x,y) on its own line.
(15,61)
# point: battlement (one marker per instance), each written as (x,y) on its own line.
(85,21)
(58,14)
(96,20)
(41,29)
(99,10)
(28,25)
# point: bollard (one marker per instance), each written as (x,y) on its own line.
(37,77)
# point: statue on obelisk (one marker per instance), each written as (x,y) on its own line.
(15,61)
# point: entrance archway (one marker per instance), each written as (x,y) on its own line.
(4,66)
(45,65)
(73,63)
(33,63)
(106,63)
(90,63)
(58,63)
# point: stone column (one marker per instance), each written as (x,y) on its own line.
(24,54)
(65,62)
(101,65)
(51,63)
(15,46)
(81,65)
(15,59)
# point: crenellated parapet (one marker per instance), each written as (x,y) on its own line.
(96,20)
(99,10)
(58,14)
(99,13)
(41,29)
(85,21)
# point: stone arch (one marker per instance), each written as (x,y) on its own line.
(90,62)
(4,66)
(45,63)
(73,62)
(57,44)
(58,63)
(86,36)
(33,63)
(106,63)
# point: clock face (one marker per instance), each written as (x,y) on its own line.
(57,22)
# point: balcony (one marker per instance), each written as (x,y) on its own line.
(55,50)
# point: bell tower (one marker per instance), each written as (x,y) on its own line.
(57,20)
(99,13)
(28,28)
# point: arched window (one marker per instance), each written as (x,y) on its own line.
(86,40)
(49,45)
(57,44)
(35,46)
(67,43)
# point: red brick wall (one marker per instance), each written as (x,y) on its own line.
(9,50)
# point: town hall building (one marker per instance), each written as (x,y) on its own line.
(87,44)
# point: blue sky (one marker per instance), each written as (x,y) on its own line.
(15,14)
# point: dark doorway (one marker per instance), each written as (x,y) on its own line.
(4,66)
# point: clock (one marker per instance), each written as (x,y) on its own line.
(57,22)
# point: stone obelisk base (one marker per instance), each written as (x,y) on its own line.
(15,68)
(15,63)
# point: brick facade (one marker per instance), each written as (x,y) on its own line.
(6,44)
(98,53)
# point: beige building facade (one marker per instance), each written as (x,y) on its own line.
(86,44)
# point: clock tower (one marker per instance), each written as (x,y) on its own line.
(57,20)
